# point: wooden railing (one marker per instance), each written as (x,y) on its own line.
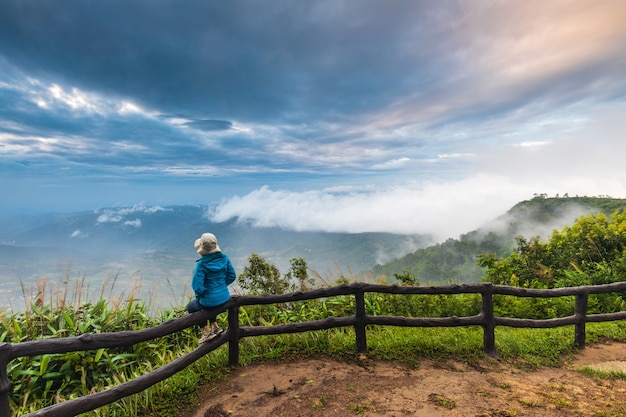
(234,333)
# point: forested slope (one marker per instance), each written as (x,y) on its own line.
(455,260)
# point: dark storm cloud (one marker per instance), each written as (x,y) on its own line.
(210,125)
(254,60)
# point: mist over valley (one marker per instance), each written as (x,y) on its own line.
(154,246)
(151,248)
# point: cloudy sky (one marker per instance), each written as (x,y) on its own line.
(402,116)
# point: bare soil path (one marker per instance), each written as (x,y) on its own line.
(322,387)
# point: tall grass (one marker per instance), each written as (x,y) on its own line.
(65,309)
(74,292)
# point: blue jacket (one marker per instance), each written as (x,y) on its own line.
(211,277)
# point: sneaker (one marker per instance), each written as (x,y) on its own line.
(210,335)
(216,331)
(204,337)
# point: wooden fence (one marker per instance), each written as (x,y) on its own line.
(234,333)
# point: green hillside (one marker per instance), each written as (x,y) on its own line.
(454,261)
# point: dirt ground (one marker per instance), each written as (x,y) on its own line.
(321,387)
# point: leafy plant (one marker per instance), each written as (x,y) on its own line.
(591,251)
(442,401)
(359,409)
(262,277)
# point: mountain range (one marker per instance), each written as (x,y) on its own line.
(154,246)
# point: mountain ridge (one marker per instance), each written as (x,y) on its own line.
(454,261)
(155,244)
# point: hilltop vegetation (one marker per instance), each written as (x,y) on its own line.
(591,251)
(455,260)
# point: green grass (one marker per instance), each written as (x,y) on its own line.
(602,374)
(43,380)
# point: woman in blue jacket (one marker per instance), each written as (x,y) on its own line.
(211,277)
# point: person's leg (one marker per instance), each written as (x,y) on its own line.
(213,320)
(195,306)
(208,331)
(213,326)
(212,330)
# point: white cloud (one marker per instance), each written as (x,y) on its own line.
(133,223)
(442,209)
(587,162)
(526,42)
(141,209)
(454,155)
(532,144)
(396,163)
(127,107)
(109,217)
(79,234)
(192,170)
(75,99)
(117,215)
(47,96)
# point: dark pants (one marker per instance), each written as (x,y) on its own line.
(194,306)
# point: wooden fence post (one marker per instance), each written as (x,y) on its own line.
(489,323)
(5,383)
(359,327)
(580,312)
(233,336)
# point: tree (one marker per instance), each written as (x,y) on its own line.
(591,251)
(298,273)
(262,277)
(406,278)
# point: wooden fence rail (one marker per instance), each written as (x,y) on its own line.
(360,320)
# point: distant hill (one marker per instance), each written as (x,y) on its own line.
(155,244)
(454,261)
(171,231)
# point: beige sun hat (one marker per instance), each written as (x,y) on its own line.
(207,243)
